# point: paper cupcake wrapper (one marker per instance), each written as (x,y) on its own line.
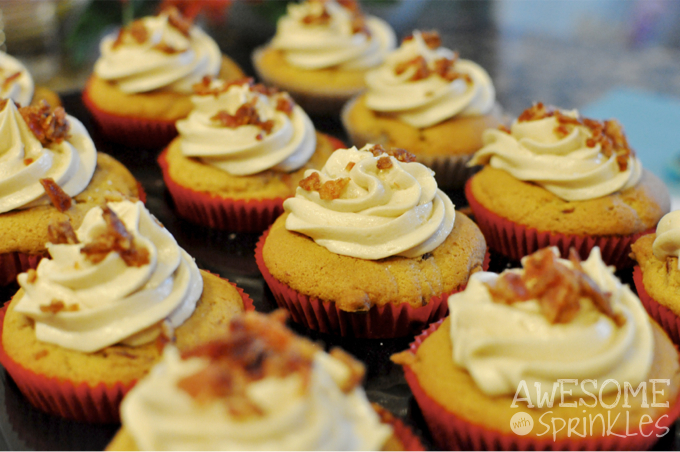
(668,320)
(451,432)
(378,322)
(72,400)
(11,264)
(515,240)
(132,132)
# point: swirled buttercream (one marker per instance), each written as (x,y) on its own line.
(158,52)
(87,302)
(667,241)
(244,129)
(423,84)
(318,35)
(16,82)
(70,161)
(371,206)
(502,344)
(572,157)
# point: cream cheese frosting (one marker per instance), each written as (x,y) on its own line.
(16,82)
(422,84)
(667,241)
(86,304)
(24,160)
(562,154)
(157,52)
(502,344)
(324,34)
(394,211)
(244,129)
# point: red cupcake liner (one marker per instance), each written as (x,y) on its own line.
(129,131)
(451,432)
(378,322)
(11,264)
(403,433)
(515,240)
(668,320)
(68,399)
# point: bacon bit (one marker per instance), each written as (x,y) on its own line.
(177,20)
(420,65)
(504,128)
(263,89)
(31,276)
(557,288)
(285,104)
(431,39)
(40,355)
(245,115)
(255,347)
(3,104)
(203,87)
(28,161)
(62,233)
(562,131)
(349,166)
(166,48)
(57,196)
(401,155)
(311,182)
(333,189)
(48,127)
(57,306)
(138,31)
(8,81)
(357,370)
(322,18)
(384,162)
(116,238)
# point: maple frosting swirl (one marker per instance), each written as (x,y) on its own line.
(16,82)
(422,84)
(158,52)
(324,34)
(244,129)
(503,343)
(564,153)
(91,294)
(667,241)
(70,160)
(367,204)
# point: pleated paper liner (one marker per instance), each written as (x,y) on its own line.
(668,320)
(378,322)
(515,240)
(132,132)
(238,215)
(80,401)
(403,433)
(451,432)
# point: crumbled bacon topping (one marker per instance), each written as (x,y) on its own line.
(246,114)
(311,182)
(504,128)
(401,155)
(323,17)
(177,20)
(285,104)
(431,39)
(255,347)
(58,197)
(349,166)
(421,70)
(137,30)
(3,104)
(443,67)
(9,80)
(28,161)
(116,238)
(384,162)
(31,276)
(608,134)
(48,127)
(57,306)
(333,189)
(557,288)
(62,233)
(166,48)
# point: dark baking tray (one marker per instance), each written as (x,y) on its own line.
(230,255)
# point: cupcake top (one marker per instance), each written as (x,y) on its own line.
(667,241)
(43,153)
(370,203)
(16,82)
(158,52)
(573,157)
(243,129)
(319,34)
(422,83)
(553,319)
(121,277)
(257,388)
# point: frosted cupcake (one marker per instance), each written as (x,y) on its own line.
(88,322)
(240,153)
(425,99)
(321,52)
(49,171)
(557,179)
(566,328)
(369,246)
(142,82)
(259,387)
(17,84)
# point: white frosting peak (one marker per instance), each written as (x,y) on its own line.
(16,82)
(667,241)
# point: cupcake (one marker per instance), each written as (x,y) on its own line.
(258,387)
(369,246)
(558,355)
(657,275)
(240,152)
(427,100)
(321,52)
(90,320)
(49,171)
(17,84)
(558,179)
(142,82)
